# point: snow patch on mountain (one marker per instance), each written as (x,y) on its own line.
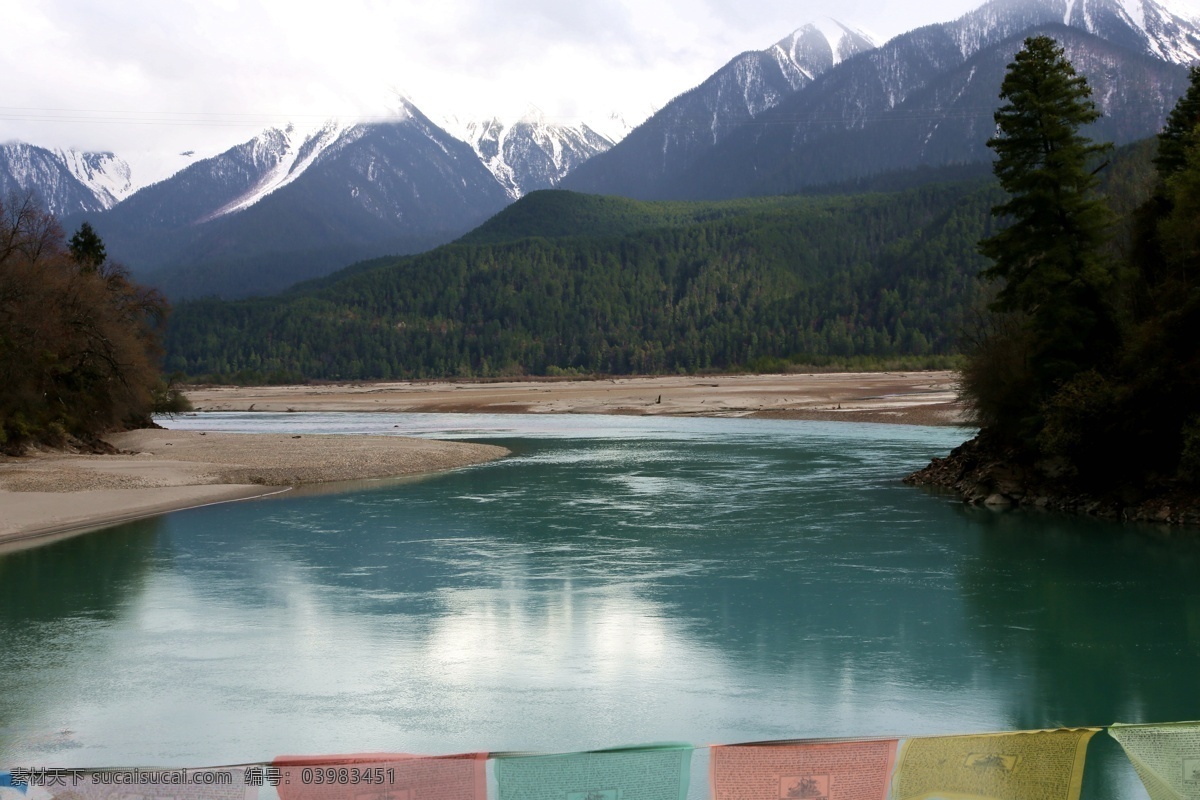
(1136,12)
(1165,30)
(67,180)
(292,151)
(1184,9)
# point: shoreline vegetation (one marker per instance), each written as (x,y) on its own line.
(50,494)
(1083,381)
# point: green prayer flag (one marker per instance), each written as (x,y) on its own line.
(658,772)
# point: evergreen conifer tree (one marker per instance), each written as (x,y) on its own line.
(87,248)
(1173,140)
(1049,256)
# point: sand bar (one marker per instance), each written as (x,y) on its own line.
(915,398)
(44,496)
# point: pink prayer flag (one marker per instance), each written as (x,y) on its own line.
(146,783)
(382,776)
(803,771)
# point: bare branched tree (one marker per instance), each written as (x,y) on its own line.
(79,344)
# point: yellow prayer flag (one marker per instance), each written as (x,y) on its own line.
(1029,765)
(1166,757)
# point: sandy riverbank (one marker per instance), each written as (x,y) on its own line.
(917,398)
(48,495)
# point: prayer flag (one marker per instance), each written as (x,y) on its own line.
(803,771)
(382,776)
(150,783)
(1166,757)
(1030,765)
(6,782)
(658,772)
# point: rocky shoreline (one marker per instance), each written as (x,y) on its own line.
(984,474)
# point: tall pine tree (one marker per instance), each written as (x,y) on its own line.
(87,248)
(1049,256)
(1160,367)
(1173,141)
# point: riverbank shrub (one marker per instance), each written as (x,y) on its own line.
(79,342)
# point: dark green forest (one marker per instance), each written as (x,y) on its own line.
(564,283)
(1097,355)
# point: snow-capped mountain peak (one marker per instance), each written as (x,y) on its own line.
(843,40)
(1172,32)
(533,116)
(817,46)
(1164,29)
(615,126)
(529,153)
(108,176)
(67,181)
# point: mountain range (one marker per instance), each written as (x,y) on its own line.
(292,204)
(67,181)
(923,99)
(824,105)
(733,97)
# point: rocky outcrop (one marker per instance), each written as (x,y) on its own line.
(985,473)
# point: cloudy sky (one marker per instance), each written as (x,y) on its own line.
(144,76)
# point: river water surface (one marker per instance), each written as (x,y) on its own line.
(618,580)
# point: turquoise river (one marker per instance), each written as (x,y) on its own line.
(617,580)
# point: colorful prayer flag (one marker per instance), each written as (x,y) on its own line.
(382,776)
(1030,765)
(149,783)
(1166,757)
(6,782)
(803,771)
(658,772)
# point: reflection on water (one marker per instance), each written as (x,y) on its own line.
(618,580)
(56,605)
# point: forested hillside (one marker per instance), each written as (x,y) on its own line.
(870,275)
(567,282)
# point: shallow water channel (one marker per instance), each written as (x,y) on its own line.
(618,580)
